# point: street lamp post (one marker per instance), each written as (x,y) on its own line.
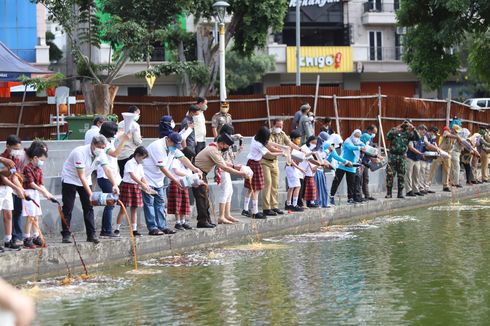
(220,9)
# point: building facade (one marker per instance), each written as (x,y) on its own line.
(352,44)
(23,29)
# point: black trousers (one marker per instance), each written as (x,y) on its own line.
(301,193)
(68,193)
(200,146)
(121,164)
(358,183)
(351,182)
(365,182)
(201,195)
(16,219)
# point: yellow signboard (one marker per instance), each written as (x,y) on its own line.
(328,59)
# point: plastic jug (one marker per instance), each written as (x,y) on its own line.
(103,199)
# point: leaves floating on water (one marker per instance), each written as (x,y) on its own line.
(313,237)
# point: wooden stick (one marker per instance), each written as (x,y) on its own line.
(382,135)
(337,121)
(448,107)
(268,110)
(317,89)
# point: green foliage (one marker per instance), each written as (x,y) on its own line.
(437,29)
(198,73)
(41,83)
(242,71)
(55,54)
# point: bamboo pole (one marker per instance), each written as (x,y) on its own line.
(335,107)
(19,119)
(381,132)
(268,110)
(317,89)
(448,106)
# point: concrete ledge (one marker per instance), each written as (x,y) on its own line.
(56,258)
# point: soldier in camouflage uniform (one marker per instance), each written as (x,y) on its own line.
(399,136)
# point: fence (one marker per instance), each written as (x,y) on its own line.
(354,110)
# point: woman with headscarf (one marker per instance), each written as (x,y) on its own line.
(166,126)
(351,151)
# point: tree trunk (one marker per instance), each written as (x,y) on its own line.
(187,84)
(102,96)
(87,91)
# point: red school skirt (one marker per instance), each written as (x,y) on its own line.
(130,195)
(178,200)
(257,183)
(310,189)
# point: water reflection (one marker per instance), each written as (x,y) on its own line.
(425,267)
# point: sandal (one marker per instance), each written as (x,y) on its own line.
(155,232)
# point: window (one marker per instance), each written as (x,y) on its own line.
(375,46)
(137,91)
(375,5)
(398,46)
(481,103)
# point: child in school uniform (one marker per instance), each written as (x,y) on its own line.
(308,192)
(259,146)
(132,183)
(33,185)
(293,175)
(178,197)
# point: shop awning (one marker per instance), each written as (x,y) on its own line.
(12,67)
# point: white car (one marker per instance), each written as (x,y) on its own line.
(478,103)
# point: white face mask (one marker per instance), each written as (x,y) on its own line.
(172,124)
(17,152)
(276,130)
(98,151)
(312,146)
(136,117)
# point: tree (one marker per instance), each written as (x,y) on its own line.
(436,30)
(251,23)
(242,71)
(55,54)
(131,27)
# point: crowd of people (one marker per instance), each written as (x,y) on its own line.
(171,173)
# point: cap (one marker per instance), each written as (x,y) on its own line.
(226,138)
(176,138)
(434,129)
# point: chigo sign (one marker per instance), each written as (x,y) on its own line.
(306,3)
(321,59)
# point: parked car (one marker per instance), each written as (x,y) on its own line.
(478,103)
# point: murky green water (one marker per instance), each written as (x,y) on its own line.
(422,267)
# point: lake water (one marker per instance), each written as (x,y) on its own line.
(427,266)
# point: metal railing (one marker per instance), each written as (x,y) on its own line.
(377,53)
(381,6)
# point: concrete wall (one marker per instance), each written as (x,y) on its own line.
(58,151)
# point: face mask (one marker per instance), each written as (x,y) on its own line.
(17,152)
(98,151)
(136,117)
(312,146)
(172,149)
(172,124)
(225,110)
(205,107)
(40,163)
(356,141)
(276,130)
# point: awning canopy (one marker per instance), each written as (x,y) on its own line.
(12,67)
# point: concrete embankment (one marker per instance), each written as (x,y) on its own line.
(57,257)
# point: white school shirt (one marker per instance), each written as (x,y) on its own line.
(305,165)
(200,127)
(177,164)
(112,165)
(257,150)
(91,133)
(158,156)
(135,168)
(81,158)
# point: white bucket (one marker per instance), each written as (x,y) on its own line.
(370,150)
(128,120)
(297,155)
